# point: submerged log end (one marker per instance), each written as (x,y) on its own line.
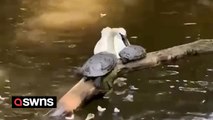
(74,98)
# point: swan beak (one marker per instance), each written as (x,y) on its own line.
(124,39)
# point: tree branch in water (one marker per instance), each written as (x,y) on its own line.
(84,90)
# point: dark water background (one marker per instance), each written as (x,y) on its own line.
(38,60)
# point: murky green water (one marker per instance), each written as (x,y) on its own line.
(41,43)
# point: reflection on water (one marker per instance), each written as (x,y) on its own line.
(43,42)
(67,14)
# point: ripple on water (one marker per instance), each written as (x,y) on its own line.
(196,113)
(62,76)
(132,87)
(120,81)
(7,93)
(168,73)
(67,58)
(59,41)
(163,93)
(173,66)
(120,92)
(7,80)
(156,81)
(128,98)
(54,85)
(71,46)
(202,83)
(7,87)
(172,86)
(210,70)
(192,89)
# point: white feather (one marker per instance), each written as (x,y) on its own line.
(118,45)
(100,46)
(105,44)
(110,41)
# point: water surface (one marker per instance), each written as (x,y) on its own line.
(42,43)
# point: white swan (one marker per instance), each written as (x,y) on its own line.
(111,41)
(119,42)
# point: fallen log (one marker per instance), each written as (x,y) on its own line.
(84,90)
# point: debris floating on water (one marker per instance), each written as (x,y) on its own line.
(173,66)
(7,81)
(2,98)
(156,81)
(185,81)
(54,85)
(168,73)
(10,18)
(190,89)
(196,114)
(101,109)
(187,24)
(192,82)
(103,15)
(177,80)
(172,86)
(116,110)
(203,101)
(188,37)
(23,9)
(90,116)
(71,46)
(210,70)
(120,81)
(59,41)
(106,97)
(202,83)
(161,93)
(7,87)
(134,37)
(128,98)
(168,80)
(121,84)
(169,13)
(132,87)
(70,117)
(120,92)
(7,93)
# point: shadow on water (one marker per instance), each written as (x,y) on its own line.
(42,43)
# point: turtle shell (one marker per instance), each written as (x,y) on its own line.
(132,53)
(99,64)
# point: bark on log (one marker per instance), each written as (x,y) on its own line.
(83,90)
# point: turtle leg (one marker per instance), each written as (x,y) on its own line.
(108,82)
(98,82)
(108,87)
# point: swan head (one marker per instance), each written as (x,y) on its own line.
(121,31)
(113,40)
(121,35)
(113,32)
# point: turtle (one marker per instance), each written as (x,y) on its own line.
(131,52)
(98,66)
